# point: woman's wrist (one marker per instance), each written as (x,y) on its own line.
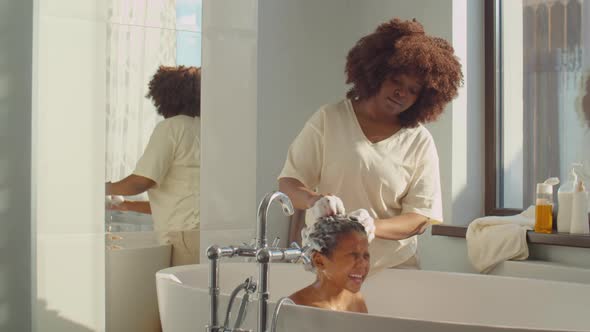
(313,197)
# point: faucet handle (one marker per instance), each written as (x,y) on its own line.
(305,254)
(250,285)
(276,242)
(251,244)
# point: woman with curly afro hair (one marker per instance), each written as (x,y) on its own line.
(170,165)
(370,152)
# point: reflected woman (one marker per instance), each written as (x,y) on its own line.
(170,165)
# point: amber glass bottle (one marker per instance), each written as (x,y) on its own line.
(544,209)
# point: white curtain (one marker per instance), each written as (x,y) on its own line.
(140,37)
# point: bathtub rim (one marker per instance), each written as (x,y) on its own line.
(167,274)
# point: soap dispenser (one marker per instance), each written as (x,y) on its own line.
(580,210)
(565,195)
(544,206)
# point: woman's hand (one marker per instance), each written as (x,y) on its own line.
(121,207)
(365,219)
(134,206)
(115,203)
(328,205)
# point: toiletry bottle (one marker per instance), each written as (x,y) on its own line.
(564,200)
(579,223)
(544,206)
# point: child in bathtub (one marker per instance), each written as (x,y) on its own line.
(340,258)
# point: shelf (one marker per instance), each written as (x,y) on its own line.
(556,239)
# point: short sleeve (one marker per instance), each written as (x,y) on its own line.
(158,155)
(424,193)
(305,155)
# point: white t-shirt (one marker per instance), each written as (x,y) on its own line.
(397,175)
(172,160)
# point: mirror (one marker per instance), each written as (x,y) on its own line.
(143,232)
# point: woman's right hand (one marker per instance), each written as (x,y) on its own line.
(327,205)
(365,219)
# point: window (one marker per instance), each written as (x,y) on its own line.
(537,97)
(188,32)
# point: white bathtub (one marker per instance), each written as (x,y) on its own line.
(132,259)
(398,300)
(542,270)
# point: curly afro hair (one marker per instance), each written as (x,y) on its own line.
(176,90)
(398,47)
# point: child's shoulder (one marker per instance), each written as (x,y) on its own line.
(302,296)
(358,303)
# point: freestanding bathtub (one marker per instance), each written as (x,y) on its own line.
(132,259)
(398,300)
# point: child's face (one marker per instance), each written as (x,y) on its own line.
(348,265)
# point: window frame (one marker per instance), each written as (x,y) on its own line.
(492,156)
(493,102)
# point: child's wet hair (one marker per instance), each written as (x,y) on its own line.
(324,235)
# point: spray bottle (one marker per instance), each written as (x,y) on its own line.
(544,206)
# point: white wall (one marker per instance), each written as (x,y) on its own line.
(68,164)
(302,52)
(228,118)
(17,270)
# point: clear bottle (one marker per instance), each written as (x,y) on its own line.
(544,206)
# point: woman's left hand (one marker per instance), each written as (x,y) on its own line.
(365,219)
(116,203)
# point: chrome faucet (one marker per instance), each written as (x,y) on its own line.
(264,256)
(263,253)
(261,240)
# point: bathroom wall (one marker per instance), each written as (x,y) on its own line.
(228,121)
(17,270)
(69,163)
(297,40)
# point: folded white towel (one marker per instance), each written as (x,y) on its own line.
(492,240)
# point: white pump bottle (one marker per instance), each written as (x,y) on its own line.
(565,196)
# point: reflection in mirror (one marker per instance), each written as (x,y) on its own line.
(544,73)
(153,58)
